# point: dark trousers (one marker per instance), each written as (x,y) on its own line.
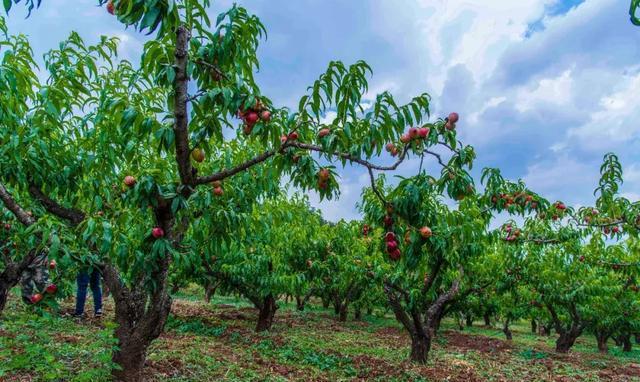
(83,280)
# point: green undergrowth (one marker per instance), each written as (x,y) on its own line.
(217,342)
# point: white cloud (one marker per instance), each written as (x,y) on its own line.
(556,90)
(562,177)
(615,120)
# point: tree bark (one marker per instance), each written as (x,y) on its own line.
(139,321)
(566,341)
(130,357)
(506,330)
(534,326)
(4,294)
(8,279)
(469,320)
(357,314)
(337,305)
(344,310)
(13,270)
(267,312)
(487,319)
(626,343)
(209,292)
(420,346)
(545,330)
(601,339)
(11,276)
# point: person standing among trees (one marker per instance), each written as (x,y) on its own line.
(88,277)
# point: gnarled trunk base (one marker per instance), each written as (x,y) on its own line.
(420,346)
(266,314)
(507,331)
(487,319)
(343,311)
(130,359)
(602,343)
(4,294)
(566,341)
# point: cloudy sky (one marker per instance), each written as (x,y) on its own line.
(544,87)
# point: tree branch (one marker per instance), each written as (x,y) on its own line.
(234,170)
(13,206)
(351,158)
(73,215)
(181,96)
(398,310)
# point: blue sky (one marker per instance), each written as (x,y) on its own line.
(544,87)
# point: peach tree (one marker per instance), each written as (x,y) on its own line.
(435,251)
(257,261)
(576,266)
(343,273)
(129,155)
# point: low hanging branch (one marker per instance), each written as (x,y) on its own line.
(13,206)
(74,216)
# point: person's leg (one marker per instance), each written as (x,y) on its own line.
(81,297)
(97,292)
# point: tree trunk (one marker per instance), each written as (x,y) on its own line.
(141,315)
(469,320)
(534,326)
(617,340)
(326,303)
(139,324)
(267,312)
(601,339)
(626,343)
(4,294)
(300,303)
(209,292)
(435,327)
(545,330)
(506,330)
(487,319)
(566,341)
(344,310)
(637,336)
(357,314)
(420,346)
(337,305)
(130,357)
(11,276)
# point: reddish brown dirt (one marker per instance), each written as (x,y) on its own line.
(371,367)
(477,343)
(160,370)
(621,373)
(288,372)
(457,371)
